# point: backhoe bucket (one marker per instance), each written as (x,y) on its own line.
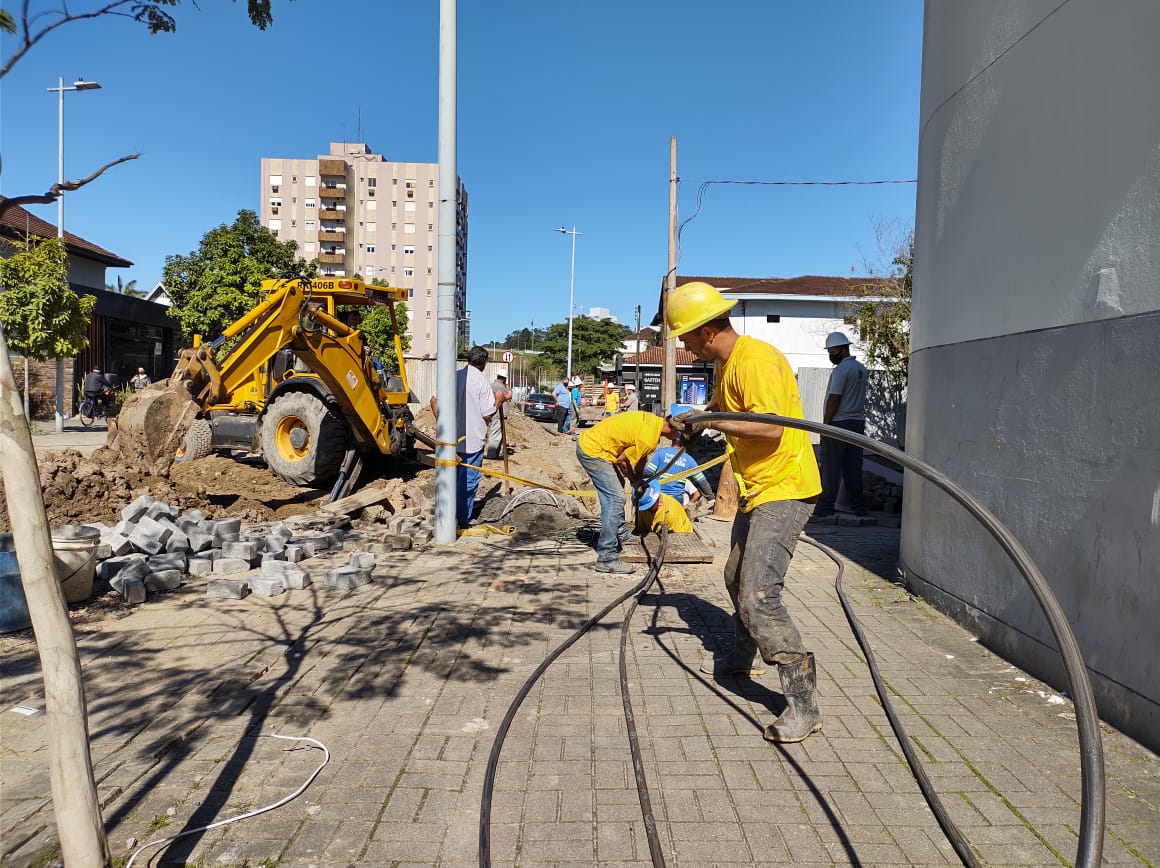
(152,425)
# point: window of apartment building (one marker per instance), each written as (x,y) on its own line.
(428,292)
(309,247)
(293,223)
(275,225)
(408,272)
(309,180)
(431,182)
(410,185)
(372,182)
(411,293)
(428,314)
(409,228)
(310,203)
(395,182)
(370,248)
(394,203)
(309,225)
(275,180)
(428,248)
(275,203)
(394,225)
(409,250)
(372,205)
(392,247)
(293,179)
(371,226)
(371,192)
(428,269)
(408,206)
(430,226)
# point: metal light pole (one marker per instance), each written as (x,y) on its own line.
(79,84)
(571,289)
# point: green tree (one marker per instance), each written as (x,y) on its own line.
(884,323)
(121,288)
(42,317)
(593,341)
(220,281)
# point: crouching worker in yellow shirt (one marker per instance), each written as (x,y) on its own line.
(654,508)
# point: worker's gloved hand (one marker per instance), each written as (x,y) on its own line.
(688,423)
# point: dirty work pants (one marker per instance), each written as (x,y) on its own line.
(466,484)
(842,461)
(760,550)
(610,493)
(494,443)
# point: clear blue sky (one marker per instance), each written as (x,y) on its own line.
(565,115)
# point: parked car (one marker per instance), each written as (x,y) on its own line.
(540,406)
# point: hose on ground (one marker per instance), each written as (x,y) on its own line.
(1091,834)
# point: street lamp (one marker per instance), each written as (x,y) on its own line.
(571,289)
(59,90)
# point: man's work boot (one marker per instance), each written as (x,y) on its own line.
(614,565)
(738,660)
(801,716)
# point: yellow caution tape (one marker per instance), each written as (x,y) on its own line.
(685,474)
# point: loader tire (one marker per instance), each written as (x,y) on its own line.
(196,443)
(302,441)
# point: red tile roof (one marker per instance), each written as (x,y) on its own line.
(656,356)
(18,223)
(806,284)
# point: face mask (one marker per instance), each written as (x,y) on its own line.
(835,358)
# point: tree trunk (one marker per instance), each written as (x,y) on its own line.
(74,791)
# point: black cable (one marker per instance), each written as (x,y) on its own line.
(1091,835)
(650,823)
(954,835)
(505,724)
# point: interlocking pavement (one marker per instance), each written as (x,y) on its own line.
(406,679)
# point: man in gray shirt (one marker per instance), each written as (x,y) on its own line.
(845,408)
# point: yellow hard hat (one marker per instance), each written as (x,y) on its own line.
(691,305)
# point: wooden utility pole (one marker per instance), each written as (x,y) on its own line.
(669,371)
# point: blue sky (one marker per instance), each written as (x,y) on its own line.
(565,115)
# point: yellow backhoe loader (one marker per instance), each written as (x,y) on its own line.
(289,380)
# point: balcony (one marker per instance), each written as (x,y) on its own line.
(331,214)
(331,167)
(331,258)
(332,192)
(331,235)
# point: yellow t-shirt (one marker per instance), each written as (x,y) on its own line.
(664,511)
(756,378)
(635,431)
(612,401)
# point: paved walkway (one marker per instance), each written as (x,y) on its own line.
(74,436)
(405,681)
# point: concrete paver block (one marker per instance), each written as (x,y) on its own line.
(199,540)
(123,527)
(362,560)
(422,537)
(294,553)
(167,561)
(275,543)
(224,566)
(163,580)
(177,542)
(157,509)
(108,568)
(273,558)
(150,536)
(133,590)
(347,578)
(281,530)
(118,544)
(199,566)
(244,550)
(267,586)
(137,508)
(230,589)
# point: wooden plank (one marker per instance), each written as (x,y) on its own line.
(358,500)
(682,548)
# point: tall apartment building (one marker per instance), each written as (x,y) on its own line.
(357,212)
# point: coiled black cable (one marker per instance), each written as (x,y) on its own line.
(505,724)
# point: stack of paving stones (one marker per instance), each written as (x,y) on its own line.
(155,546)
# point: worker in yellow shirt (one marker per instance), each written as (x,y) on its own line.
(612,450)
(778,483)
(612,401)
(654,508)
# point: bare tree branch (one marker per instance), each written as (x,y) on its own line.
(56,189)
(29,38)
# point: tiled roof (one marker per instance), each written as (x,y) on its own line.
(656,356)
(806,284)
(18,223)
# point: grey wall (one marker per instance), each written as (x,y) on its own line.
(1035,367)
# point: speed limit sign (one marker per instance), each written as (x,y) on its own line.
(508,355)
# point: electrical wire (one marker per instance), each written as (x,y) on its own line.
(248,814)
(505,724)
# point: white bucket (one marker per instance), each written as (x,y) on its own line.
(74,550)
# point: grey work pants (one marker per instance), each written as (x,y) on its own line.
(760,550)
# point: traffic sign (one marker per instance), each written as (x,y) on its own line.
(508,356)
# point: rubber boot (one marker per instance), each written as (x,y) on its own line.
(801,716)
(738,660)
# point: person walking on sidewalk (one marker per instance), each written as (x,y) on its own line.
(563,396)
(476,407)
(778,482)
(845,408)
(612,450)
(495,427)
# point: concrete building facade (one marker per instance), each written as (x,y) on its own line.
(1035,337)
(357,212)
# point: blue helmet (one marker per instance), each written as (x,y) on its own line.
(648,498)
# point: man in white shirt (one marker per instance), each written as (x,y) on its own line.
(476,407)
(845,408)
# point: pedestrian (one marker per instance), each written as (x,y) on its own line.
(612,450)
(687,490)
(139,380)
(778,483)
(631,402)
(563,396)
(654,508)
(503,395)
(612,401)
(845,408)
(476,406)
(575,399)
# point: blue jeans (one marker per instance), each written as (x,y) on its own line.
(466,484)
(610,493)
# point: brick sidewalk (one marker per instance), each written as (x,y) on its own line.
(405,681)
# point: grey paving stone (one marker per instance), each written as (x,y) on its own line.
(230,589)
(163,580)
(267,586)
